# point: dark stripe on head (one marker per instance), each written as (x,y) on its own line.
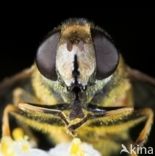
(75,72)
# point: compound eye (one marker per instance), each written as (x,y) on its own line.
(46,55)
(107,56)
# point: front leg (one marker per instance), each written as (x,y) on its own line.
(5,119)
(143,135)
(148,113)
(19,94)
(17,133)
(115,125)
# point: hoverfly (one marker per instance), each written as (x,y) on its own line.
(79,86)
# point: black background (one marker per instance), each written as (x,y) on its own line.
(22,29)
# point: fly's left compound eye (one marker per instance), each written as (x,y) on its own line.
(107,56)
(46,56)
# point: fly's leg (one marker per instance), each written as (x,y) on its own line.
(37,118)
(108,131)
(30,117)
(5,120)
(22,95)
(104,117)
(142,138)
(148,114)
(19,94)
(19,132)
(123,116)
(47,113)
(114,123)
(44,120)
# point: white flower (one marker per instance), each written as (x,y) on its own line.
(75,148)
(21,147)
(8,147)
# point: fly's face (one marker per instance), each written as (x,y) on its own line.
(81,57)
(75,59)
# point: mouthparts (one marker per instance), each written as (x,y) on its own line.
(76,105)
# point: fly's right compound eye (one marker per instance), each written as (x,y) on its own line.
(46,56)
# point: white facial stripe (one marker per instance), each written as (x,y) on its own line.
(65,62)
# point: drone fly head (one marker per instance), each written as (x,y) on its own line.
(76,54)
